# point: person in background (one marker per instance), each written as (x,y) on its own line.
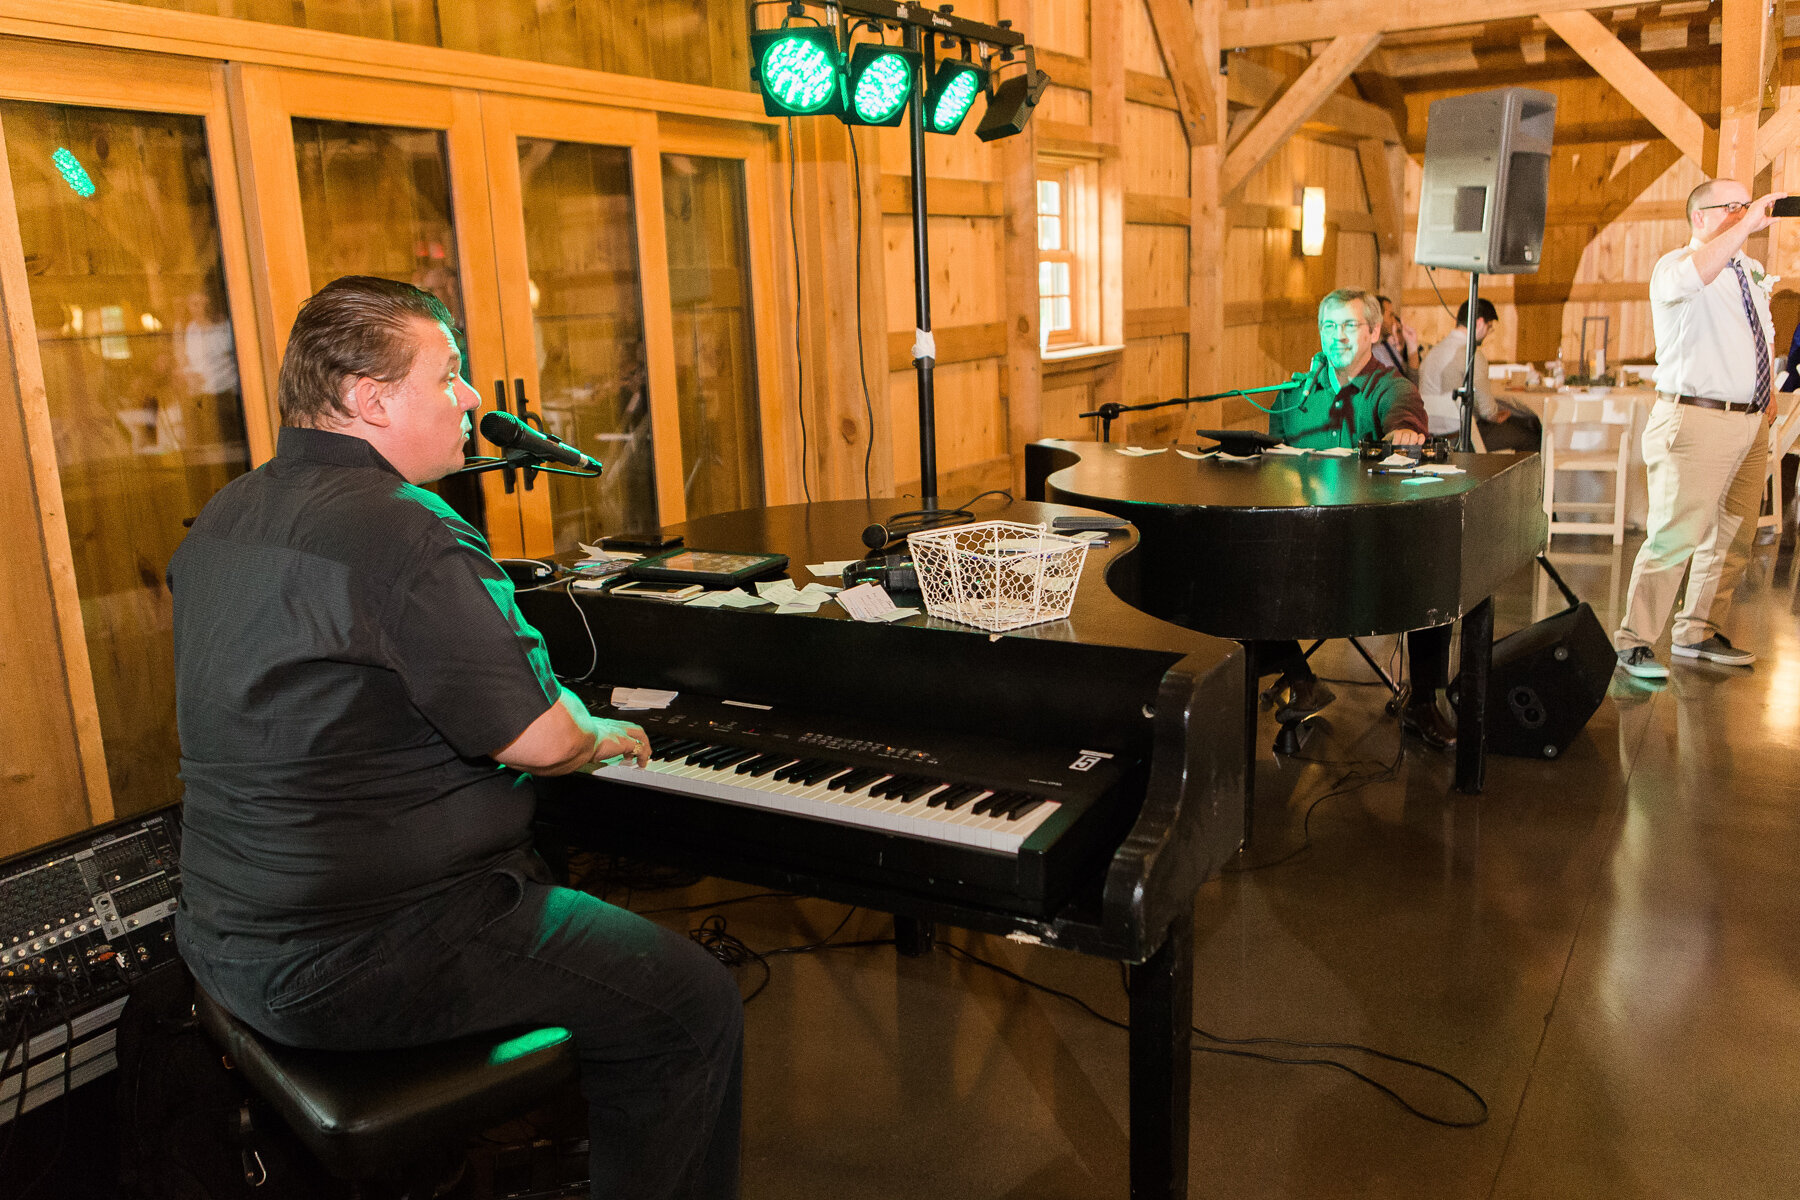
(1397,347)
(1503,426)
(1706,443)
(1344,396)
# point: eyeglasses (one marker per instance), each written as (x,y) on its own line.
(1736,206)
(1329,328)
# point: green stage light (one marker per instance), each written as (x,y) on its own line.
(954,86)
(800,70)
(882,80)
(73,173)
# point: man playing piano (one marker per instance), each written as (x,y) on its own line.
(1344,397)
(360,703)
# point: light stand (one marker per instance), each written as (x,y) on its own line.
(924,346)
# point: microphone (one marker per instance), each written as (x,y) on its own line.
(509,433)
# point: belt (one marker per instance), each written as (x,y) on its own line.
(1743,406)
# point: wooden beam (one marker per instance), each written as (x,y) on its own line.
(946,197)
(1144,209)
(1294,106)
(1383,204)
(1154,90)
(1745,35)
(1254,85)
(1023,381)
(1155,322)
(1066,69)
(1179,38)
(955,344)
(1316,20)
(1625,71)
(1287,216)
(1778,133)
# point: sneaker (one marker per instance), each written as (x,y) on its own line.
(1640,663)
(1717,648)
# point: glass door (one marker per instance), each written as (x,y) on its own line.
(355,177)
(121,171)
(584,295)
(727,349)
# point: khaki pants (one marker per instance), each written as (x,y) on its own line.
(1706,471)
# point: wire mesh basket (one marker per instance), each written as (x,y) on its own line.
(997,575)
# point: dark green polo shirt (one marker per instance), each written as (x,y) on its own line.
(347,655)
(1375,402)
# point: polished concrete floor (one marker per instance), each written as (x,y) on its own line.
(1606,947)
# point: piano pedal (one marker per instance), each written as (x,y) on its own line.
(1292,737)
(1398,701)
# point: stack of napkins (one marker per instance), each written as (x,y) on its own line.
(787,598)
(596,555)
(641,698)
(870,602)
(831,570)
(735,598)
(1336,452)
(1396,460)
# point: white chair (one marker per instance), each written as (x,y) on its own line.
(1781,443)
(1587,431)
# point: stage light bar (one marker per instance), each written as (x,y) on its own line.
(1011,104)
(882,80)
(954,86)
(800,71)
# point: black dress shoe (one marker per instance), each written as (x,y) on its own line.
(1304,698)
(1428,723)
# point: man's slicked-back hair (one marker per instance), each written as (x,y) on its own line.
(355,327)
(1698,198)
(1349,297)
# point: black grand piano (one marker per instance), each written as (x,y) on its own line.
(1311,547)
(1071,783)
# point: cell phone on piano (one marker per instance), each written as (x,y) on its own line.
(648,541)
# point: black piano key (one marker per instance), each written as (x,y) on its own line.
(791,772)
(700,750)
(915,789)
(993,805)
(672,749)
(954,797)
(849,781)
(762,764)
(1028,804)
(824,771)
(886,788)
(732,759)
(705,757)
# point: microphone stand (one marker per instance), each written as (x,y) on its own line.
(507,460)
(1108,413)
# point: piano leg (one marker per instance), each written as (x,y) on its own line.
(913,937)
(1252,701)
(1162,1063)
(1472,690)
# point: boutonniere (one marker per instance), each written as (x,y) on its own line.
(1763,280)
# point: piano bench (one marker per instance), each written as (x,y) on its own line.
(381,1114)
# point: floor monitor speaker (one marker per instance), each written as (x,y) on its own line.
(1486,181)
(1546,681)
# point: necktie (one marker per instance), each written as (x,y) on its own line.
(1761,399)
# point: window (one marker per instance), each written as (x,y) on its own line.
(1068,244)
(1057,267)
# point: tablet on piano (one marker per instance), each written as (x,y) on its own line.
(1240,443)
(709,568)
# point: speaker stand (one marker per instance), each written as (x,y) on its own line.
(1465,443)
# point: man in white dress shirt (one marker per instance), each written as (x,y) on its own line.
(1706,444)
(1503,427)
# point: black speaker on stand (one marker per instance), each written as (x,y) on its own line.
(1548,679)
(1484,195)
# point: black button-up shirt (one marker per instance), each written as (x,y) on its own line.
(347,656)
(1376,401)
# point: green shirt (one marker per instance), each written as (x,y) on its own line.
(1376,402)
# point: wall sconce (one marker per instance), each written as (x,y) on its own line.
(1312,222)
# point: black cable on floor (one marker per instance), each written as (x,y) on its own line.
(956,951)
